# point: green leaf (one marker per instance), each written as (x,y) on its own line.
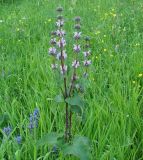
(76,104)
(50,139)
(75,101)
(59,99)
(80,148)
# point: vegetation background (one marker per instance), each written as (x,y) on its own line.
(114,117)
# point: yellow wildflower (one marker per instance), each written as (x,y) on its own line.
(140,75)
(49,20)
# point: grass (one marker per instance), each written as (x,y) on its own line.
(114,118)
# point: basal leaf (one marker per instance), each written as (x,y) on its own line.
(50,139)
(80,148)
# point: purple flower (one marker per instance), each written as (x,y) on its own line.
(63,69)
(36,113)
(87,63)
(34,119)
(60,23)
(87,53)
(54,66)
(52,51)
(7,130)
(75,64)
(18,139)
(63,56)
(77,35)
(61,43)
(53,41)
(60,33)
(76,48)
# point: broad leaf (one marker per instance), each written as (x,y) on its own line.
(80,148)
(50,139)
(76,104)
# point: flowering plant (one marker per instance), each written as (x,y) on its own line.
(59,53)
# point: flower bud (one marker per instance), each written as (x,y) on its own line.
(59,9)
(77,26)
(77,19)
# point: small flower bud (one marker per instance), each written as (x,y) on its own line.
(77,26)
(59,9)
(77,19)
(76,48)
(87,38)
(75,64)
(60,17)
(87,45)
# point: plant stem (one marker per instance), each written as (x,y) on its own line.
(65,96)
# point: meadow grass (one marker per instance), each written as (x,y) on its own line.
(114,116)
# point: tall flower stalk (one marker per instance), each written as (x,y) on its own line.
(58,52)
